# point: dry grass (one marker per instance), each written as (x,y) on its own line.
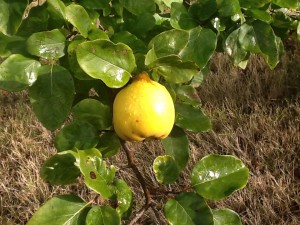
(256,117)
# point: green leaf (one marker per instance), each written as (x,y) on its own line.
(203,10)
(11,14)
(234,48)
(79,18)
(124,198)
(102,215)
(102,59)
(253,3)
(140,24)
(216,176)
(77,134)
(96,33)
(180,18)
(298,30)
(109,144)
(64,209)
(18,72)
(290,4)
(188,209)
(177,146)
(259,14)
(94,112)
(11,45)
(137,45)
(59,7)
(94,4)
(183,44)
(228,8)
(97,176)
(165,169)
(188,94)
(47,44)
(169,2)
(139,7)
(52,96)
(60,169)
(174,70)
(226,216)
(36,21)
(190,118)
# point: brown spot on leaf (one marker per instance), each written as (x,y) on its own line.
(93,175)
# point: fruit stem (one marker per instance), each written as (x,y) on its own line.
(142,181)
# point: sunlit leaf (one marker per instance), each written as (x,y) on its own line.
(188,209)
(97,175)
(94,112)
(188,94)
(60,169)
(102,215)
(102,59)
(11,14)
(228,8)
(226,216)
(165,169)
(52,95)
(253,3)
(191,118)
(259,14)
(64,209)
(18,72)
(47,44)
(79,18)
(124,198)
(94,4)
(217,176)
(177,146)
(77,134)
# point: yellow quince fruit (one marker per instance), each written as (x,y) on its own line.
(143,109)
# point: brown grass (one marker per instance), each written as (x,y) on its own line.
(256,117)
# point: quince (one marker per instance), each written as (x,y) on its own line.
(143,109)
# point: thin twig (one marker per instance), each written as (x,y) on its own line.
(142,181)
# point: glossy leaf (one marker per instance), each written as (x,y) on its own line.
(109,144)
(291,4)
(47,44)
(165,169)
(188,209)
(216,177)
(226,216)
(180,18)
(64,209)
(18,72)
(11,14)
(140,24)
(102,215)
(131,40)
(60,169)
(77,134)
(52,96)
(94,112)
(177,146)
(191,118)
(298,31)
(58,6)
(96,175)
(196,45)
(188,94)
(139,7)
(102,59)
(234,48)
(124,198)
(174,70)
(228,8)
(259,14)
(79,18)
